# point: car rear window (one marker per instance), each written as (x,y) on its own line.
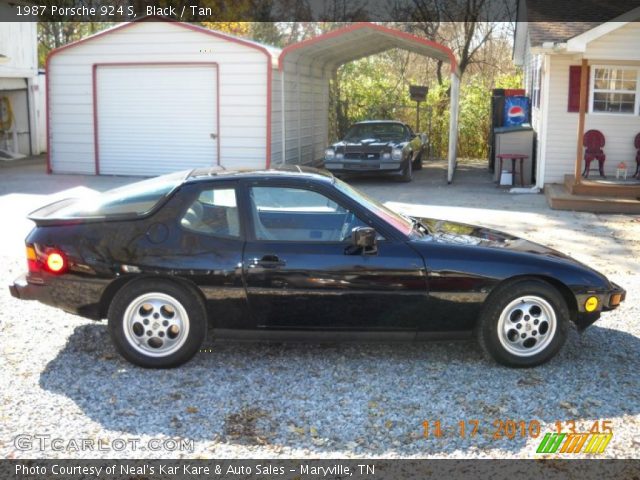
(134,199)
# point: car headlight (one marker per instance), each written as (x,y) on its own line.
(386,156)
(339,156)
(396,154)
(329,154)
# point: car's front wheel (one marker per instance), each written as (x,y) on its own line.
(157,323)
(417,163)
(407,172)
(524,323)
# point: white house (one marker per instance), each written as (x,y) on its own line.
(20,106)
(154,96)
(552,55)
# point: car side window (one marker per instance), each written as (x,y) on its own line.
(294,214)
(214,212)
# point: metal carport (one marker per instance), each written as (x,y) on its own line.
(303,75)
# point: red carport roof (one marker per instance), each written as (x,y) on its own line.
(361,40)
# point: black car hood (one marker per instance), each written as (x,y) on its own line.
(455,233)
(366,143)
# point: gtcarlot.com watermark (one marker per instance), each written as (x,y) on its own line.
(42,442)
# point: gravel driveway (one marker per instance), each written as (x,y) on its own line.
(60,375)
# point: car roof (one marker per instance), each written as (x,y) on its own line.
(285,171)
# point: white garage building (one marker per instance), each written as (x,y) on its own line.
(151,97)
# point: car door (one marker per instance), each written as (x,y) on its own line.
(301,272)
(208,250)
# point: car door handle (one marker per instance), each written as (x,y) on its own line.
(268,261)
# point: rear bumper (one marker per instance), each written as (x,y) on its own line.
(24,290)
(77,297)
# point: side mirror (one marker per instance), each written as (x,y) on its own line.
(364,238)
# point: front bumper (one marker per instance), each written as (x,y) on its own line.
(607,301)
(616,290)
(362,166)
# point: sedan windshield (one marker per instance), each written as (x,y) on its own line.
(376,131)
(400,222)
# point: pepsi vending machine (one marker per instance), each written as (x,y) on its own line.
(500,111)
(516,111)
(512,133)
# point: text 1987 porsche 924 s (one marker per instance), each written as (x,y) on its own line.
(292,252)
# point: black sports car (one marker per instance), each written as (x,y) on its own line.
(295,252)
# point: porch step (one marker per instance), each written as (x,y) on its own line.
(559,198)
(609,187)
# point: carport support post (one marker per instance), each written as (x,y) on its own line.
(453,125)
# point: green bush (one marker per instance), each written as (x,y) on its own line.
(373,88)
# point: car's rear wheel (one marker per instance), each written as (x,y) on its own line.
(157,323)
(524,323)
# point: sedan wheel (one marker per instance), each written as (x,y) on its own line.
(156,323)
(524,323)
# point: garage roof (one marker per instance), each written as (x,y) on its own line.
(271,51)
(359,40)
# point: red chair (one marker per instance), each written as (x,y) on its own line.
(636,143)
(593,141)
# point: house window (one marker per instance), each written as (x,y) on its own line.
(615,90)
(536,81)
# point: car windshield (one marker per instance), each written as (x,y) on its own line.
(376,131)
(133,199)
(400,222)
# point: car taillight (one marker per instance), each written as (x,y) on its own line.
(32,260)
(56,262)
(51,260)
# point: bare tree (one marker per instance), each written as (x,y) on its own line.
(463,25)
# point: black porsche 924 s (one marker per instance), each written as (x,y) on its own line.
(291,253)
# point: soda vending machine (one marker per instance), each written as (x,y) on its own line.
(511,130)
(516,111)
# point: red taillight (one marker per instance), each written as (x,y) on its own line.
(56,262)
(49,259)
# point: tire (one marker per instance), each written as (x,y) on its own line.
(407,172)
(417,163)
(527,307)
(157,323)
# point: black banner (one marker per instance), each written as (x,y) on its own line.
(364,469)
(317,10)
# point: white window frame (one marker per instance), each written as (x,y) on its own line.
(536,82)
(592,76)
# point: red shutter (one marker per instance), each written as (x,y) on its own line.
(574,88)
